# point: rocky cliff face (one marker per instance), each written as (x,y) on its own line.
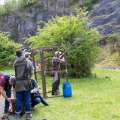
(24,23)
(106,16)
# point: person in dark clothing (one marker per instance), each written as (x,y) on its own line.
(35,95)
(23,73)
(57,59)
(5,90)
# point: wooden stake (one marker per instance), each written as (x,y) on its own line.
(43,73)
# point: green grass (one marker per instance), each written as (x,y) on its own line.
(93,99)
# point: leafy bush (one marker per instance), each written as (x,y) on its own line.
(7,49)
(89,3)
(73,34)
(9,6)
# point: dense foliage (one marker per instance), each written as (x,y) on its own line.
(72,34)
(9,6)
(7,49)
(89,3)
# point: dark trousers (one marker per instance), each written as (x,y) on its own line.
(6,108)
(36,100)
(56,83)
(23,96)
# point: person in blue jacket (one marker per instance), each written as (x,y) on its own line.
(35,95)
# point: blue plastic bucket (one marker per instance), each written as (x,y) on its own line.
(67,89)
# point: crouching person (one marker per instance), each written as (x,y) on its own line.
(23,73)
(35,95)
(5,91)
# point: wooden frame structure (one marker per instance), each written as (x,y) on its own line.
(41,52)
(42,72)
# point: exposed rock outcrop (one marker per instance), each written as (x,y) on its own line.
(106,16)
(24,23)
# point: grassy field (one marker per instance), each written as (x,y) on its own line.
(94,98)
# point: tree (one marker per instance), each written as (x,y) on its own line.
(73,34)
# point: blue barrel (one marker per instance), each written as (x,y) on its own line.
(67,90)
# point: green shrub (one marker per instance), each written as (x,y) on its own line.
(73,34)
(89,3)
(7,49)
(9,6)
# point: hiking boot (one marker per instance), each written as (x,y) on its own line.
(57,93)
(44,102)
(17,117)
(53,93)
(28,116)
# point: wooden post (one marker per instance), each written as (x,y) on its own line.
(43,73)
(66,66)
(35,72)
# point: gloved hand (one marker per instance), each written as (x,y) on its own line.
(34,90)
